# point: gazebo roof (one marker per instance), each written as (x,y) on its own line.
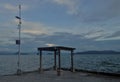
(53,48)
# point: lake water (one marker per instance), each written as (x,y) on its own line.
(100,63)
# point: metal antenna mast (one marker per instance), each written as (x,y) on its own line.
(18,42)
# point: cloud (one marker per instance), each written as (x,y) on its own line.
(6,41)
(9,31)
(95,34)
(61,38)
(10,8)
(34,28)
(99,10)
(29,27)
(74,40)
(112,36)
(115,34)
(78,41)
(71,5)
(50,45)
(102,35)
(29,31)
(38,28)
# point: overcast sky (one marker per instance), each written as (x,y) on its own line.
(83,24)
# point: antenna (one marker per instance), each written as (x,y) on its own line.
(18,42)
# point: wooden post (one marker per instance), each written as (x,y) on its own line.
(55,53)
(40,69)
(72,66)
(59,64)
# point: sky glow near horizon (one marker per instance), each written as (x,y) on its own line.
(83,24)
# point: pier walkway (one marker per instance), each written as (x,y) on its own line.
(66,76)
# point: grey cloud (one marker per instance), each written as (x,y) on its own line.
(93,32)
(64,39)
(98,10)
(78,41)
(59,37)
(115,34)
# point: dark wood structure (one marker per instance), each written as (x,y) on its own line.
(57,51)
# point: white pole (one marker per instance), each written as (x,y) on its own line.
(19,41)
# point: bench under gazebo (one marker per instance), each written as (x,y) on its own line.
(57,51)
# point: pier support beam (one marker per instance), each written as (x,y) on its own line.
(55,53)
(72,63)
(40,69)
(59,63)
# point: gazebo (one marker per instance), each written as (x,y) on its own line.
(57,51)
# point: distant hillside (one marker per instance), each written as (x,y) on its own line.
(99,52)
(16,53)
(5,53)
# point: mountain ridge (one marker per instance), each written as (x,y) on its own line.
(99,52)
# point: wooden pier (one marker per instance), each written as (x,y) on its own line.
(57,52)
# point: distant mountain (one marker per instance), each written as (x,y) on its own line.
(6,53)
(16,53)
(99,52)
(84,52)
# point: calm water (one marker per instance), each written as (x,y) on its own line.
(101,63)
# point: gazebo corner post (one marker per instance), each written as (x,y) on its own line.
(59,64)
(55,66)
(40,54)
(72,61)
